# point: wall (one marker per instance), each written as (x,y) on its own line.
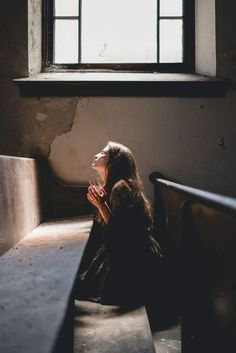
(189,139)
(225,38)
(205,40)
(19,200)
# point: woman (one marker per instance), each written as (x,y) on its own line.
(119,272)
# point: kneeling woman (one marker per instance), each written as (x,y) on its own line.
(120,271)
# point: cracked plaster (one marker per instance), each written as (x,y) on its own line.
(41,117)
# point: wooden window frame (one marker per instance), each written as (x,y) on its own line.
(188,65)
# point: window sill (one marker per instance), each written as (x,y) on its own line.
(121,84)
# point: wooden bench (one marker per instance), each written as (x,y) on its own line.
(198,229)
(41,254)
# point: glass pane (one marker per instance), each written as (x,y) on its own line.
(66,7)
(121,31)
(66,41)
(171,7)
(171,41)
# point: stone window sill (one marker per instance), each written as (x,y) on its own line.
(121,84)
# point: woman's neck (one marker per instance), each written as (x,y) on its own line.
(103,177)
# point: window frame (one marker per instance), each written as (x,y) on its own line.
(187,66)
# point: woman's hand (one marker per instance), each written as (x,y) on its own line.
(96,194)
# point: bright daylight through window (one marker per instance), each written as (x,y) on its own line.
(117,31)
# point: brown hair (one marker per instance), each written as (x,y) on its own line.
(121,166)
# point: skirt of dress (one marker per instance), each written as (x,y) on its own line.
(124,283)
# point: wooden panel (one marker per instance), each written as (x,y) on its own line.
(200,230)
(210,280)
(172,204)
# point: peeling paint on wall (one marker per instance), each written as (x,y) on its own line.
(88,133)
(51,117)
(78,105)
(41,117)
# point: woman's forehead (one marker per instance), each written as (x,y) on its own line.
(105,149)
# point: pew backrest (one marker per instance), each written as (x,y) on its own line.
(200,228)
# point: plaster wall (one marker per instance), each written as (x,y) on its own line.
(34,36)
(191,140)
(225,38)
(205,37)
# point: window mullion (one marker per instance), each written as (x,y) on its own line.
(79,29)
(66,17)
(48,33)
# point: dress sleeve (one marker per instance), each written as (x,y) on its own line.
(120,232)
(126,233)
(122,198)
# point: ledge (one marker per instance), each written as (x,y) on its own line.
(121,84)
(36,281)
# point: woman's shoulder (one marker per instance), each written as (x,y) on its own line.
(122,193)
(122,186)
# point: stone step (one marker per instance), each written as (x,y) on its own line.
(111,329)
(168,340)
(36,281)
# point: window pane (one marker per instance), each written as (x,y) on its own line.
(66,7)
(66,41)
(121,31)
(171,7)
(171,41)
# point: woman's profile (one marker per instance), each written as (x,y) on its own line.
(119,272)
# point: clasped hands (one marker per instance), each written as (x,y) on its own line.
(96,194)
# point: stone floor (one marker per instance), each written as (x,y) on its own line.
(121,330)
(168,341)
(111,329)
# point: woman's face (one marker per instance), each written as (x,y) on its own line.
(100,160)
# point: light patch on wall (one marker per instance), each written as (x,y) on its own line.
(72,152)
(41,117)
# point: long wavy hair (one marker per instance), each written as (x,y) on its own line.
(121,166)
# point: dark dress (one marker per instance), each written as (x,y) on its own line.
(120,272)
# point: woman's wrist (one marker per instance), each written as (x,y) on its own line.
(103,206)
(105,212)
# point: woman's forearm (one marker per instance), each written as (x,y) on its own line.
(105,212)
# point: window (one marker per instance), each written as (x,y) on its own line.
(149,35)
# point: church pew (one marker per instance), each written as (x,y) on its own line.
(200,229)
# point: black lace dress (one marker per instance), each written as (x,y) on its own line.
(120,272)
